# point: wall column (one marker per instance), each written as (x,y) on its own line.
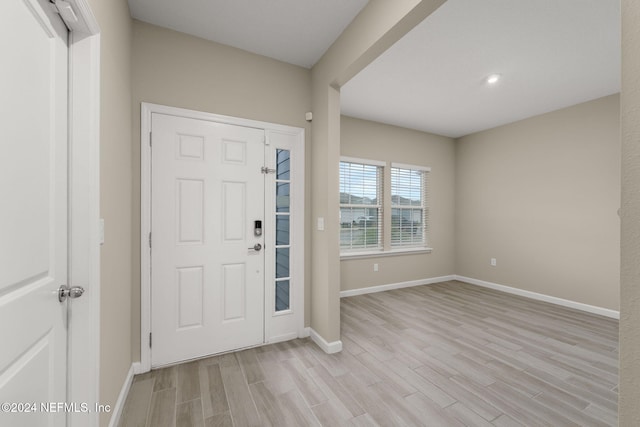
(378,26)
(629,392)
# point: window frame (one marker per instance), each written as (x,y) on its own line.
(380,206)
(424,207)
(385,212)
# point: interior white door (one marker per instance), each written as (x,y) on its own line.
(33,212)
(207,264)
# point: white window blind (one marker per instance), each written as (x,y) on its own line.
(409,209)
(360,205)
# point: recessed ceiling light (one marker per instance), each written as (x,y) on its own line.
(493,79)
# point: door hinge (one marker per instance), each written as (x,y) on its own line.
(149,240)
(66,12)
(266,170)
(150,340)
(150,139)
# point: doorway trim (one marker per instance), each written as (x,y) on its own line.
(83,357)
(272,132)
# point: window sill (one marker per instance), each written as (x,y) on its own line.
(393,252)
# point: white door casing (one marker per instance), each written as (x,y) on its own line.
(84,212)
(82,381)
(33,218)
(284,227)
(207,191)
(274,326)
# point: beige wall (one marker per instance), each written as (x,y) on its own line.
(159,77)
(115,197)
(172,68)
(376,141)
(541,196)
(629,410)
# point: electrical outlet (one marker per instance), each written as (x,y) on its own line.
(375,267)
(493,262)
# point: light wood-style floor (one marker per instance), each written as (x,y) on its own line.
(449,354)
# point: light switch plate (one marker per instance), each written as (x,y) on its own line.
(320,223)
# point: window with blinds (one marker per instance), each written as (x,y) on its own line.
(409,210)
(360,205)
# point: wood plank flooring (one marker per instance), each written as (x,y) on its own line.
(449,354)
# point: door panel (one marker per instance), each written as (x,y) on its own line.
(234,291)
(190,297)
(233,218)
(33,217)
(189,208)
(207,285)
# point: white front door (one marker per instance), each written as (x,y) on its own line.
(33,213)
(207,262)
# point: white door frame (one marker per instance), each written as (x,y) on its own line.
(297,228)
(84,214)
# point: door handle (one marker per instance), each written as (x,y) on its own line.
(66,292)
(257,247)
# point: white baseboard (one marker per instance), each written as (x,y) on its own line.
(305,332)
(137,368)
(122,397)
(327,347)
(391,286)
(542,297)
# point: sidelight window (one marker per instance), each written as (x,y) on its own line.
(283,233)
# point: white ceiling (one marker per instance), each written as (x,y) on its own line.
(293,31)
(551,54)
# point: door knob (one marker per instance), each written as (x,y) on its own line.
(66,292)
(256,247)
